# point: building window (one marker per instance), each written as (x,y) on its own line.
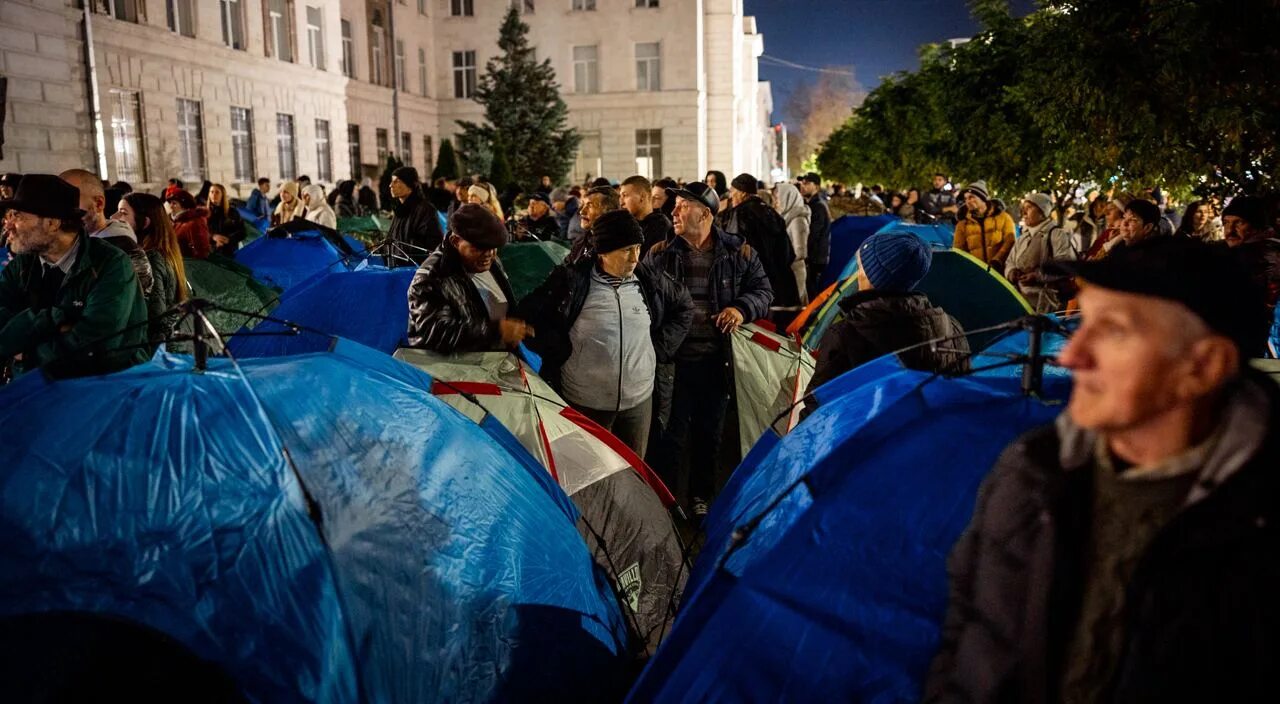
(348,51)
(242,144)
(287,158)
(586,69)
(648,67)
(233,24)
(462,8)
(646,3)
(353,149)
(649,153)
(377,49)
(277,21)
(464,74)
(190,140)
(324,155)
(422,71)
(524,6)
(315,37)
(400,64)
(383,146)
(181,15)
(579,5)
(126,10)
(126,135)
(429,158)
(422,7)
(406,148)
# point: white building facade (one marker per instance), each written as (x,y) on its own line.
(230,90)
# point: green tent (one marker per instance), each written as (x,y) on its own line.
(229,284)
(528,264)
(972,293)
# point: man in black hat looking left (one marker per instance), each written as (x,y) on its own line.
(68,301)
(414,223)
(460,296)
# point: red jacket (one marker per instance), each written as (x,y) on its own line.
(193,232)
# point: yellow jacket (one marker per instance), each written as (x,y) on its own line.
(989,238)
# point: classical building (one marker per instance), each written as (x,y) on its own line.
(229,90)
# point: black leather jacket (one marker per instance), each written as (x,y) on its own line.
(446,313)
(415,223)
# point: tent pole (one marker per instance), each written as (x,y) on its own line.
(1033,367)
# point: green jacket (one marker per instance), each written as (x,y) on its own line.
(75,336)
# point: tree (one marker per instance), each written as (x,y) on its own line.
(446,162)
(816,108)
(523,110)
(384,182)
(500,171)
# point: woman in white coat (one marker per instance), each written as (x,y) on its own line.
(318,210)
(790,205)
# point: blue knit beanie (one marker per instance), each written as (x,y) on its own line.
(895,261)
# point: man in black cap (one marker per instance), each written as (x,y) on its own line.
(819,231)
(67,300)
(1129,552)
(9,184)
(415,224)
(764,229)
(729,287)
(539,224)
(460,296)
(590,318)
(1245,227)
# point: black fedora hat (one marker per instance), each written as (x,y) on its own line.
(47,196)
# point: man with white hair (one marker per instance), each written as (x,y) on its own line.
(1130,552)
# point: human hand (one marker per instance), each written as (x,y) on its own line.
(514,331)
(729,320)
(221,240)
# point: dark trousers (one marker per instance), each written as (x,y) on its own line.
(815,271)
(630,426)
(691,443)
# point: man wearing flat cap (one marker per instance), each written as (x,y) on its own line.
(1129,552)
(459,298)
(69,303)
(729,287)
(415,224)
(603,327)
(1247,230)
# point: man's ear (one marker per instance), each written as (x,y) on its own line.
(1214,360)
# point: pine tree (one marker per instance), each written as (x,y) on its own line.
(522,110)
(446,162)
(384,183)
(500,170)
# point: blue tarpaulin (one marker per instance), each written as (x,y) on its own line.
(367,304)
(283,262)
(437,564)
(838,590)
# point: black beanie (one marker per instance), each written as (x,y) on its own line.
(614,230)
(478,225)
(1251,209)
(408,175)
(745,183)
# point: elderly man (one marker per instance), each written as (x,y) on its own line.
(415,224)
(1042,241)
(93,201)
(539,224)
(598,201)
(459,297)
(729,287)
(1129,551)
(68,302)
(637,199)
(590,318)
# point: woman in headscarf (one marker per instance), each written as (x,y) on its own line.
(317,209)
(290,206)
(791,206)
(485,194)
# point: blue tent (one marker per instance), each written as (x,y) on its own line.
(283,262)
(847,234)
(259,223)
(823,577)
(367,304)
(318,526)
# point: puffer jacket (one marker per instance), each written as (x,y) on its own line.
(876,323)
(416,223)
(1201,613)
(737,277)
(446,312)
(192,227)
(989,238)
(554,306)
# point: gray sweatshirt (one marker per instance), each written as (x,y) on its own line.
(613,363)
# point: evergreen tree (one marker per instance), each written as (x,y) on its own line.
(446,162)
(384,183)
(522,110)
(500,170)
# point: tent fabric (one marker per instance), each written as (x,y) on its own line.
(528,264)
(316,525)
(367,304)
(848,232)
(823,576)
(228,284)
(283,262)
(623,505)
(770,374)
(365,224)
(254,225)
(934,235)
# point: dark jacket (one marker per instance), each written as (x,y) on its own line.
(229,225)
(446,313)
(98,297)
(192,227)
(545,229)
(876,323)
(934,200)
(416,223)
(554,306)
(164,295)
(1201,613)
(737,276)
(819,232)
(657,228)
(765,230)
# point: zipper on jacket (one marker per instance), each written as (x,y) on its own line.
(622,330)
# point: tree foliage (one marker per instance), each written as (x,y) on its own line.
(384,182)
(1175,93)
(446,162)
(500,170)
(816,108)
(523,110)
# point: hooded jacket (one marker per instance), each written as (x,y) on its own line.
(989,238)
(791,206)
(415,223)
(446,312)
(124,239)
(192,227)
(319,211)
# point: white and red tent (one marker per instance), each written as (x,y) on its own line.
(771,373)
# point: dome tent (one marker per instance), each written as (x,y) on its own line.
(293,253)
(317,527)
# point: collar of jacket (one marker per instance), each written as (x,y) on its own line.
(722,243)
(409,203)
(1243,424)
(863,297)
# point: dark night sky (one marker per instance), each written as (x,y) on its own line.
(877,37)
